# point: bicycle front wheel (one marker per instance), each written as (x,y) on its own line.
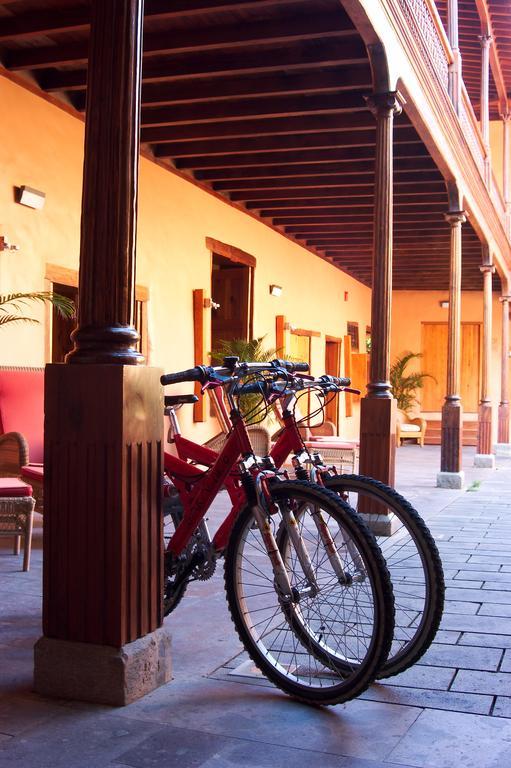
(414,564)
(326,643)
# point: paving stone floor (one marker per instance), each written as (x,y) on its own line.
(452,709)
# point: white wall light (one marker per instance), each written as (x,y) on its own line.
(32,198)
(444,304)
(276,290)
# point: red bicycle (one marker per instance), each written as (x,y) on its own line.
(307,587)
(408,547)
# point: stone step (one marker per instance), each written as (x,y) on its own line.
(434,432)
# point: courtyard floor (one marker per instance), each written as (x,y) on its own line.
(452,709)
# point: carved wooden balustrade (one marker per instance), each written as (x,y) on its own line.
(420,27)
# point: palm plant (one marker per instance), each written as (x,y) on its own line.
(12,306)
(248,351)
(404,385)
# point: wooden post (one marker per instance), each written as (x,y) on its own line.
(451,475)
(503,446)
(378,407)
(484,456)
(485,41)
(455,79)
(506,167)
(103,559)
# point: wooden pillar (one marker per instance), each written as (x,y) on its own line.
(503,445)
(485,41)
(506,167)
(103,569)
(378,407)
(450,475)
(455,78)
(484,456)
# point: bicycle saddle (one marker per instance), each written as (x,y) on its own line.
(172,400)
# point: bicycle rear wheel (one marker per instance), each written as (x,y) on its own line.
(414,564)
(324,646)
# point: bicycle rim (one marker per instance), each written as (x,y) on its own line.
(324,648)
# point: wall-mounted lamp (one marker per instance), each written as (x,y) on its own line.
(444,304)
(5,245)
(276,290)
(32,198)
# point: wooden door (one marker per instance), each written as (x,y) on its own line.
(230,288)
(434,362)
(300,350)
(333,368)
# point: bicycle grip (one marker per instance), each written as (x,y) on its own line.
(292,367)
(191,374)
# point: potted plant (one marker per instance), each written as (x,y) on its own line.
(12,306)
(404,385)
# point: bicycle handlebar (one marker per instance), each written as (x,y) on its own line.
(203,373)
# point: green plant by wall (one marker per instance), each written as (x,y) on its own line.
(12,306)
(404,385)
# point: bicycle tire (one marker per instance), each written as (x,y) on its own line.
(408,645)
(172,516)
(289,659)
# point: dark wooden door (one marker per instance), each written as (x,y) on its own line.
(333,368)
(230,288)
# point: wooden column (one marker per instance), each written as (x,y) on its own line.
(484,430)
(454,68)
(485,41)
(103,560)
(450,461)
(503,428)
(378,407)
(506,167)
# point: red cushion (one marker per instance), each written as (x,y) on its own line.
(33,472)
(22,407)
(10,486)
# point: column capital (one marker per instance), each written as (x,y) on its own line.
(391,102)
(487,268)
(455,217)
(485,40)
(504,298)
(505,114)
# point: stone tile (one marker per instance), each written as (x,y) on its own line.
(489,559)
(421,697)
(502,707)
(75,740)
(456,606)
(418,676)
(495,578)
(463,584)
(462,657)
(486,624)
(477,595)
(19,713)
(493,683)
(495,609)
(453,739)
(480,568)
(358,729)
(488,641)
(193,748)
(447,636)
(506,663)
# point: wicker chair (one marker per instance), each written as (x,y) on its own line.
(17,515)
(259,435)
(21,426)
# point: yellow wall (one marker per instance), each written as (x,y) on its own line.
(41,146)
(410,309)
(497,150)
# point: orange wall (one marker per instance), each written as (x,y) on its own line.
(410,309)
(497,150)
(41,146)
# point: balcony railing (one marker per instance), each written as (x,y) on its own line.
(427,30)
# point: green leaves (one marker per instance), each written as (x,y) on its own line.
(404,386)
(12,305)
(251,351)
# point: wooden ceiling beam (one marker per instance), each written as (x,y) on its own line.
(254,108)
(234,36)
(365,214)
(249,145)
(68,19)
(324,182)
(349,166)
(349,121)
(401,202)
(212,64)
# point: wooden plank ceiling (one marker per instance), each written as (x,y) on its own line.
(262,101)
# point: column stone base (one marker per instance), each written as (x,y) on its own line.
(381,525)
(502,449)
(100,673)
(485,460)
(453,480)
